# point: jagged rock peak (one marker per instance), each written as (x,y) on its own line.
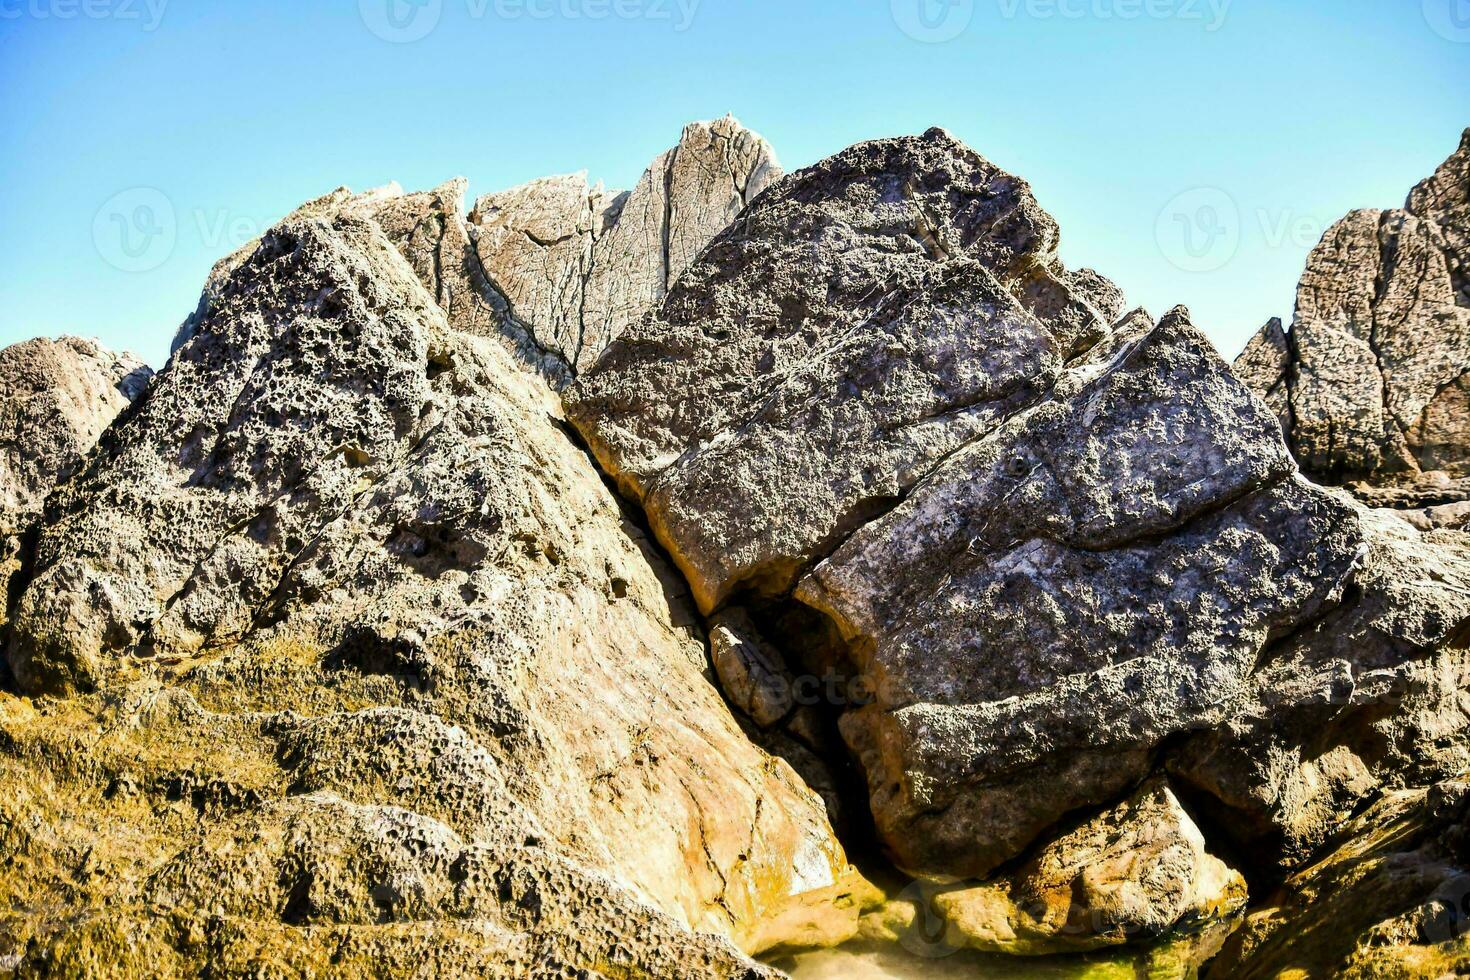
(557,268)
(1372,381)
(579,263)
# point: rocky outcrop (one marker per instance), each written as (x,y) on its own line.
(1367,699)
(557,269)
(340,653)
(351,643)
(866,317)
(1139,871)
(1044,549)
(1390,899)
(578,263)
(56,398)
(1372,381)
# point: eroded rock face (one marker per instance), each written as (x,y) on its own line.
(578,263)
(1096,576)
(1370,698)
(424,668)
(1391,898)
(1372,382)
(1133,873)
(56,398)
(864,318)
(1052,539)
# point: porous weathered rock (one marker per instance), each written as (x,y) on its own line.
(1391,898)
(56,397)
(1094,577)
(864,318)
(1372,697)
(430,229)
(1372,382)
(579,263)
(1052,540)
(1136,872)
(425,670)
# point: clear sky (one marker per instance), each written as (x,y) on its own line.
(1192,150)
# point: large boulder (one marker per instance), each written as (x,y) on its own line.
(579,263)
(1372,381)
(864,318)
(56,398)
(349,597)
(1040,546)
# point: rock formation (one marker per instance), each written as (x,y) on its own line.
(1390,899)
(578,263)
(1046,549)
(380,668)
(556,268)
(340,653)
(56,398)
(1135,872)
(1372,381)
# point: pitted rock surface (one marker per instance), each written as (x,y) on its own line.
(1055,544)
(1372,381)
(426,669)
(1133,873)
(862,319)
(1094,578)
(56,398)
(1371,698)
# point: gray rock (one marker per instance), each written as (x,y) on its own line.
(56,399)
(861,320)
(1372,382)
(1095,577)
(1365,700)
(1053,540)
(580,263)
(341,556)
(430,229)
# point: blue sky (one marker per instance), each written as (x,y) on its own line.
(1192,150)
